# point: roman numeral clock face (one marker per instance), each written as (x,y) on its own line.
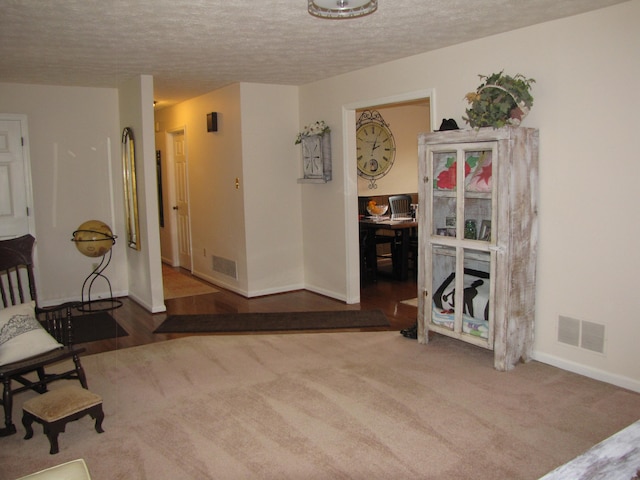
(376,150)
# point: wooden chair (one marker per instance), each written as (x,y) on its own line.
(400,207)
(17,286)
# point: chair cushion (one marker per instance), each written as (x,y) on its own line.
(60,403)
(21,335)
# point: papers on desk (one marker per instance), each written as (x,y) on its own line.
(401,219)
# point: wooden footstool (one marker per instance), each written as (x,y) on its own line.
(56,408)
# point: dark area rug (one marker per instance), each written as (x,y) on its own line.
(261,322)
(92,327)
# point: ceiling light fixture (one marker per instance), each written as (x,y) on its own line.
(342,8)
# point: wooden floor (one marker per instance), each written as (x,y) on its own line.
(384,294)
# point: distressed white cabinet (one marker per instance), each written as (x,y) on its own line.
(478,235)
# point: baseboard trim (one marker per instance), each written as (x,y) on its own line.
(150,308)
(326,293)
(78,298)
(274,291)
(595,373)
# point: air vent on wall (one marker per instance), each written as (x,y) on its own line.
(592,337)
(224,266)
(569,331)
(581,333)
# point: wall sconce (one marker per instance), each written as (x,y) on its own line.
(212,122)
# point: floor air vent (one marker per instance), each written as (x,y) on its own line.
(225,266)
(580,333)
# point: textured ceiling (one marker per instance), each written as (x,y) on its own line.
(195,46)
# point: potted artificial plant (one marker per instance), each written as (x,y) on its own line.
(500,100)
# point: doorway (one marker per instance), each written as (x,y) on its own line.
(176,241)
(16,197)
(407,100)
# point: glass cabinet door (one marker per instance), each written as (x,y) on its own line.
(461,242)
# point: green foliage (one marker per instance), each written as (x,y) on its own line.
(500,100)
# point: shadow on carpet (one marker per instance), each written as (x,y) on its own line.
(272,321)
(96,326)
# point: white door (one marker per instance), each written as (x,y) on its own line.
(15,180)
(182,201)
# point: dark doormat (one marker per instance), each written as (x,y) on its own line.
(261,322)
(95,326)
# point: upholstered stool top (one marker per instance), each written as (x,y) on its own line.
(74,470)
(60,403)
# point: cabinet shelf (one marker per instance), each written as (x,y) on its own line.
(476,254)
(453,194)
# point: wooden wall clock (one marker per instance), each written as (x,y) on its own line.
(375,145)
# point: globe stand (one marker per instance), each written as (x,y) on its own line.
(95,239)
(89,305)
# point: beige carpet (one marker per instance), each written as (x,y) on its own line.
(369,405)
(177,285)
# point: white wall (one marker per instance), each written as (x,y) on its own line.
(271,166)
(75,148)
(74,141)
(586,70)
(143,265)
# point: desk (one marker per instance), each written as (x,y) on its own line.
(399,247)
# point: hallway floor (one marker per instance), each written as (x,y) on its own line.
(385,294)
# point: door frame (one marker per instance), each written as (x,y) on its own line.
(26,159)
(352,236)
(171,197)
(28,185)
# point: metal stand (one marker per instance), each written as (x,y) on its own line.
(89,305)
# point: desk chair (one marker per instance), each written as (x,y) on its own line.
(400,207)
(369,251)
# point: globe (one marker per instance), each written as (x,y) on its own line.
(93,238)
